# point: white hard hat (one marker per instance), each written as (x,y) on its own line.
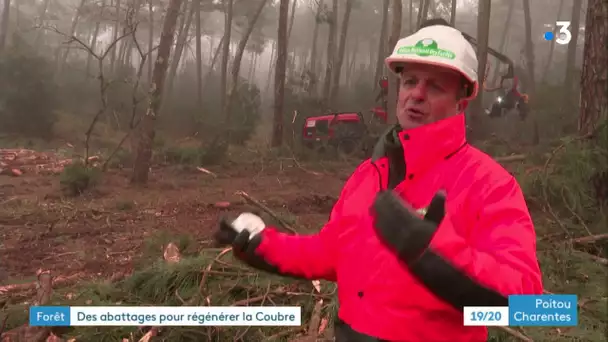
(439,45)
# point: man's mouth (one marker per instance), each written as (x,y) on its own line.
(415,114)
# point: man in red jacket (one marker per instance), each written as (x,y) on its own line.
(425,227)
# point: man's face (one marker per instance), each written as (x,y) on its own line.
(428,94)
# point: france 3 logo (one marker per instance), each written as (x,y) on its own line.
(563,36)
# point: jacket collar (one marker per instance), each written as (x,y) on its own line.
(423,147)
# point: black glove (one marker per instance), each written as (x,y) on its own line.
(404,231)
(243,244)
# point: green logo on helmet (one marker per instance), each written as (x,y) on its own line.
(424,48)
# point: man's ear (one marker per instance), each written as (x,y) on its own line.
(462,105)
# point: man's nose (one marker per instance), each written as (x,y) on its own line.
(419,91)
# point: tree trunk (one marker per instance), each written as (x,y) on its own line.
(291,57)
(254,72)
(150,39)
(236,64)
(341,49)
(393,80)
(130,41)
(529,49)
(423,12)
(211,45)
(411,23)
(552,47)
(331,51)
(182,37)
(313,50)
(571,58)
(279,75)
(4,23)
(594,76)
(351,62)
(483,28)
(292,19)
(531,68)
(122,51)
(94,39)
(381,44)
(42,16)
(432,13)
(253,60)
(225,52)
(120,58)
(370,50)
(63,60)
(18,15)
(273,57)
(115,36)
(453,14)
(146,129)
(212,63)
(199,58)
(503,40)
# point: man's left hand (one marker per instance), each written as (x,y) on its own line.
(404,231)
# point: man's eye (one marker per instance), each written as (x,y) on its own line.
(437,87)
(409,81)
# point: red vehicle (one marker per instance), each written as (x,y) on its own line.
(380,114)
(346,131)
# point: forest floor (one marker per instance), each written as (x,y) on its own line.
(109,246)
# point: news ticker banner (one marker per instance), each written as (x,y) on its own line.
(165,316)
(526,311)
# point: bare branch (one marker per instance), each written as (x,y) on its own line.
(72,39)
(130,29)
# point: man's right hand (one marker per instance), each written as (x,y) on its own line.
(245,224)
(244,235)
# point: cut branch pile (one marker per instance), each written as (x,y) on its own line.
(29,333)
(207,279)
(15,162)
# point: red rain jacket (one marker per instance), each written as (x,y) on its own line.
(487,234)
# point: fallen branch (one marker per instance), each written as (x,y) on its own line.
(315,320)
(3,325)
(246,302)
(581,302)
(203,170)
(258,204)
(45,287)
(27,332)
(251,200)
(241,335)
(171,255)
(590,239)
(516,334)
(573,212)
(148,336)
(206,272)
(257,299)
(284,333)
(513,158)
(599,260)
(56,282)
(550,236)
